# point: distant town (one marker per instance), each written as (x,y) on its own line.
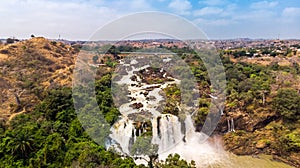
(235,47)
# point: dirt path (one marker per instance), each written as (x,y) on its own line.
(15,114)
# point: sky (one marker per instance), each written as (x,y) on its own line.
(218,19)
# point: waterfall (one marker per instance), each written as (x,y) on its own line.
(166,132)
(232,125)
(189,127)
(169,133)
(123,133)
(193,146)
(228,126)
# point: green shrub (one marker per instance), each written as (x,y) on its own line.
(286,103)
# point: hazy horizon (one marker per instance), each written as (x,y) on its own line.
(237,38)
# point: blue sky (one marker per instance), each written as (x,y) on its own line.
(219,19)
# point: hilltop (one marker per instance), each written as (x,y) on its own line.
(30,67)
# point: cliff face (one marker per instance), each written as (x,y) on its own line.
(267,134)
(28,68)
(253,121)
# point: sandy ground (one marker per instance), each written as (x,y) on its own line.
(3,56)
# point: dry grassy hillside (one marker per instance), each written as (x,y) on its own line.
(28,68)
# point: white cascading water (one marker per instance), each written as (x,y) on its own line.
(170,139)
(167,130)
(230,125)
(194,147)
(122,132)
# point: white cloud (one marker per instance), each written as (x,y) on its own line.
(208,11)
(256,16)
(264,4)
(213,2)
(182,7)
(291,12)
(78,19)
(74,19)
(291,15)
(213,22)
(130,6)
(229,10)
